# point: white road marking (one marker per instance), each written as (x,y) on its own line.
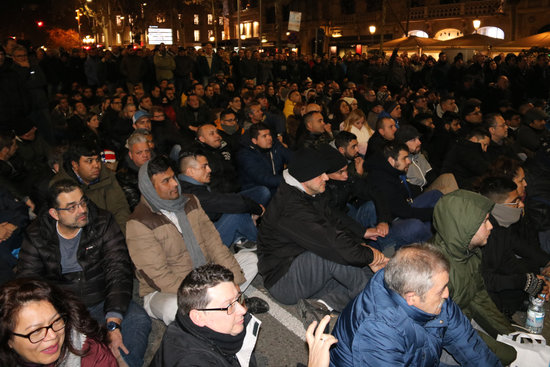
(279,313)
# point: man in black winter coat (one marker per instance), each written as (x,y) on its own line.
(212,326)
(308,253)
(81,248)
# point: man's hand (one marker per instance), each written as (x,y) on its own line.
(30,204)
(379,260)
(319,343)
(263,210)
(6,230)
(371,234)
(546,271)
(115,340)
(328,129)
(359,165)
(383,228)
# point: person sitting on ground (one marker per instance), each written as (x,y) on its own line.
(213,326)
(44,326)
(411,210)
(82,164)
(385,133)
(467,160)
(80,247)
(168,235)
(532,131)
(230,212)
(317,131)
(500,144)
(461,221)
(262,162)
(510,265)
(346,143)
(446,134)
(356,124)
(392,322)
(308,254)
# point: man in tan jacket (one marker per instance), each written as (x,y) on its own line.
(168,235)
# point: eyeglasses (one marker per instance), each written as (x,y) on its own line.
(230,309)
(39,334)
(72,208)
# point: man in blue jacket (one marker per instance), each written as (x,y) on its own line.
(262,162)
(404,317)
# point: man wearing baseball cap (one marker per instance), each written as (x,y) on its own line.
(307,253)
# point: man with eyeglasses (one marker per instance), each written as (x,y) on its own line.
(80,247)
(500,143)
(212,326)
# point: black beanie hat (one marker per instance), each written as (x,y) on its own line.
(335,160)
(307,164)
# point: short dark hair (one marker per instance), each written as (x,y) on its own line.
(308,116)
(80,149)
(380,122)
(65,185)
(497,189)
(225,113)
(255,129)
(392,150)
(248,108)
(491,119)
(449,116)
(193,291)
(343,139)
(509,114)
(6,138)
(479,133)
(158,164)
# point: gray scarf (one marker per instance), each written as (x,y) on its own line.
(176,206)
(505,215)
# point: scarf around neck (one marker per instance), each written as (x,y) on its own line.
(176,206)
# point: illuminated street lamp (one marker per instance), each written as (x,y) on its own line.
(476,23)
(372,29)
(243,37)
(336,33)
(212,38)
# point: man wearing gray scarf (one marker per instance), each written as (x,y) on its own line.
(168,235)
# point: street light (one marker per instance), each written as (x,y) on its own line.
(212,38)
(372,29)
(476,23)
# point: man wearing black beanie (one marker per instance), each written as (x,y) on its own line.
(309,254)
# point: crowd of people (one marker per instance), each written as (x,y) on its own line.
(406,195)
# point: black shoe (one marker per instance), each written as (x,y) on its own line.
(312,310)
(256,305)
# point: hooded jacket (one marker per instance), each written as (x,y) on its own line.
(380,329)
(457,217)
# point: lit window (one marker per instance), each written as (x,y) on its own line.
(197,35)
(494,32)
(221,21)
(448,34)
(209,19)
(210,33)
(418,33)
(223,35)
(195,19)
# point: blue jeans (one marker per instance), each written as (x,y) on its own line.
(404,231)
(135,329)
(259,194)
(365,214)
(236,226)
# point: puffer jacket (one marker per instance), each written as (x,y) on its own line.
(159,252)
(106,268)
(105,192)
(380,329)
(465,279)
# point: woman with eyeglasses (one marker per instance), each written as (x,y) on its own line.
(40,325)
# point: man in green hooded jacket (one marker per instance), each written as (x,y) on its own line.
(461,222)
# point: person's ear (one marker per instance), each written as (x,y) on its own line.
(391,161)
(342,150)
(410,297)
(53,213)
(254,141)
(197,317)
(74,165)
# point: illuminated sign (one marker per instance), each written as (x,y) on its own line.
(160,35)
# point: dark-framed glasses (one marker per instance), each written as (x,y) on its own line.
(230,308)
(39,334)
(72,208)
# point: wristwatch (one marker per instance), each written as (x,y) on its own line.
(112,326)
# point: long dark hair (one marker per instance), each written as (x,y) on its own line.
(15,294)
